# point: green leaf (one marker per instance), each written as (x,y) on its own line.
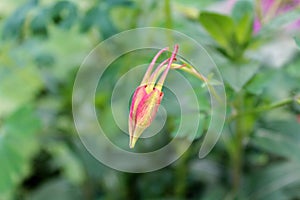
(258,83)
(14,24)
(293,68)
(280,138)
(281,86)
(290,127)
(99,17)
(213,192)
(244,29)
(242,8)
(19,79)
(67,56)
(220,27)
(64,13)
(124,3)
(243,15)
(18,144)
(277,144)
(40,21)
(275,178)
(124,17)
(237,75)
(293,191)
(199,5)
(56,189)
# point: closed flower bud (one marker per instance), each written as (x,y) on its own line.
(147,97)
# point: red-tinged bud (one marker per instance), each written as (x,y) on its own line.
(142,111)
(147,97)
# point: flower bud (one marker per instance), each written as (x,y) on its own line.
(147,97)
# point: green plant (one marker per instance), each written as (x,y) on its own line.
(42,45)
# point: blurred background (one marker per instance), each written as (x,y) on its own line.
(255,44)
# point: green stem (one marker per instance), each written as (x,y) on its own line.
(262,109)
(181,174)
(169,23)
(191,70)
(185,68)
(237,157)
(241,131)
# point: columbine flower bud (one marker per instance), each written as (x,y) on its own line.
(147,97)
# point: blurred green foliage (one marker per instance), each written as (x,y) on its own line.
(44,42)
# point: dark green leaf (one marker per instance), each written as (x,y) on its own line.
(55,189)
(277,136)
(99,18)
(275,178)
(39,22)
(64,13)
(276,143)
(120,3)
(293,191)
(14,24)
(287,128)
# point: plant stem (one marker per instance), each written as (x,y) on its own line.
(262,109)
(169,23)
(237,157)
(181,175)
(241,131)
(191,70)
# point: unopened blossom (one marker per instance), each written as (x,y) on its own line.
(265,10)
(147,97)
(269,9)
